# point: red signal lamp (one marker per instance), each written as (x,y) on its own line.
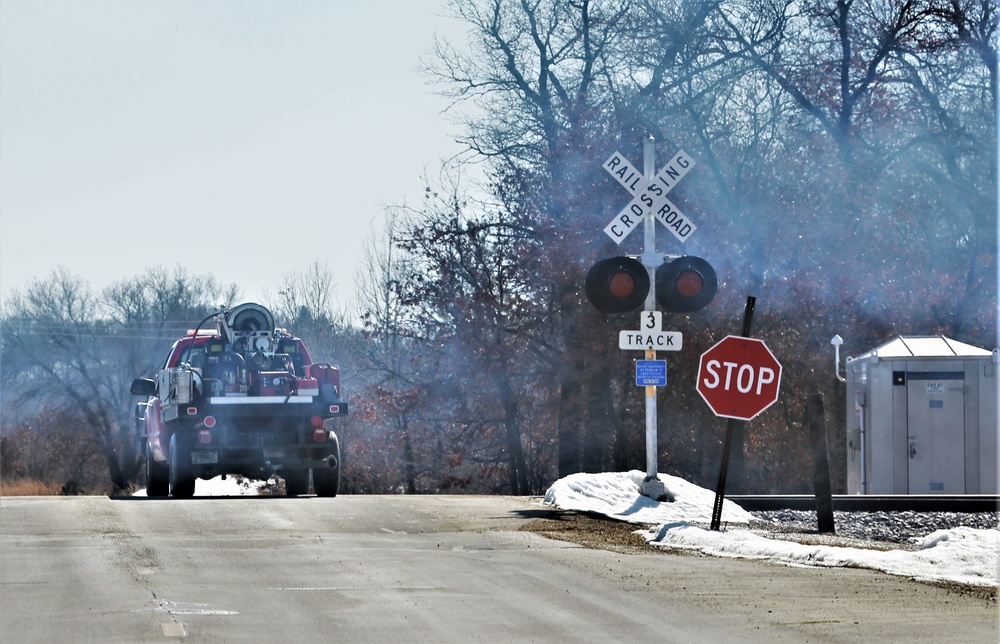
(617,284)
(685,284)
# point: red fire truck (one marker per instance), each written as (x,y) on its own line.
(240,397)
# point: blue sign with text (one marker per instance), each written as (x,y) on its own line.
(651,373)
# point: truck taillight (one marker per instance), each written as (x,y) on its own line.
(319,435)
(204,437)
(316,421)
(209,421)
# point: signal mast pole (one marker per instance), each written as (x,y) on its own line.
(615,284)
(651,485)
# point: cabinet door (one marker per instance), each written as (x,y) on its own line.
(936,436)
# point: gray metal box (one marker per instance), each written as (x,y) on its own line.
(922,418)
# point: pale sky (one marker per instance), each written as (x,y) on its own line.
(246,139)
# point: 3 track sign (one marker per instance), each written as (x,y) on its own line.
(739,377)
(650,335)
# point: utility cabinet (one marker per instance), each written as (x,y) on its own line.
(922,418)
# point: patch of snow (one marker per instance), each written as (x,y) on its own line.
(230,486)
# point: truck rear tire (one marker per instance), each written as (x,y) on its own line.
(326,480)
(296,482)
(157,476)
(181,479)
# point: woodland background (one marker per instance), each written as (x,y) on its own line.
(846,177)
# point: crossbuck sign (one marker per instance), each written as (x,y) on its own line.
(649,198)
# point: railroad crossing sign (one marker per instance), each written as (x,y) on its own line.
(649,198)
(739,377)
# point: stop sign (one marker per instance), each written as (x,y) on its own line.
(739,377)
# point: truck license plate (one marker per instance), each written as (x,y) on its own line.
(204,457)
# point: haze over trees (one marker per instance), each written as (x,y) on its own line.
(846,177)
(69,355)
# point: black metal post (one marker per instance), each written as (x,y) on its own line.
(816,419)
(720,488)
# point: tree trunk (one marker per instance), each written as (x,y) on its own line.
(517,467)
(569,422)
(595,423)
(119,482)
(409,467)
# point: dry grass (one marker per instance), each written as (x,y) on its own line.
(27,487)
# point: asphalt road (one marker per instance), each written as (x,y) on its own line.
(424,568)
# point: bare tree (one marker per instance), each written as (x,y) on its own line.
(306,296)
(474,299)
(394,381)
(56,351)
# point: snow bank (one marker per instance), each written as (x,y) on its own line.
(962,555)
(616,495)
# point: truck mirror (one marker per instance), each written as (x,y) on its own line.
(143,387)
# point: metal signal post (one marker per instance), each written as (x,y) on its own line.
(651,485)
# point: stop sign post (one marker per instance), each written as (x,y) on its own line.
(739,377)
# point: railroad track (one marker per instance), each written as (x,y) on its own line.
(872,503)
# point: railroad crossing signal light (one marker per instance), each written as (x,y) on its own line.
(686,284)
(617,284)
(620,284)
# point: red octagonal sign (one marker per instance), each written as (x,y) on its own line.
(739,377)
